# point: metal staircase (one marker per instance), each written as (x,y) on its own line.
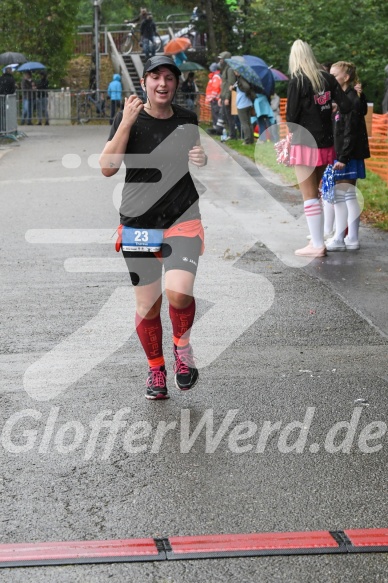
(134,64)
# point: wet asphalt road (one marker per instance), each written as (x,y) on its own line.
(277,342)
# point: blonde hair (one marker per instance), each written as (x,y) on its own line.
(303,62)
(350,71)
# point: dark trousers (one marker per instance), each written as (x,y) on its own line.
(229,119)
(215,109)
(114,103)
(244,115)
(263,123)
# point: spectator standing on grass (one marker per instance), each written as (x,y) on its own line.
(114,91)
(213,92)
(225,102)
(264,114)
(244,103)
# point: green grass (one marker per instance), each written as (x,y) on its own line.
(373,188)
(375,193)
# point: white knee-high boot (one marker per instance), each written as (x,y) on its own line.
(314,217)
(354,211)
(328,214)
(340,212)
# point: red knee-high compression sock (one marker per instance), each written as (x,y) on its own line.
(182,321)
(150,334)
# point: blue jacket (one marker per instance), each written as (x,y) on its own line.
(180,58)
(115,88)
(262,107)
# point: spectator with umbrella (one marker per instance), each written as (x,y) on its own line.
(7,87)
(228,78)
(244,103)
(7,82)
(247,85)
(27,88)
(41,98)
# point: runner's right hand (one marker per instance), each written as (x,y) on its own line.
(133,105)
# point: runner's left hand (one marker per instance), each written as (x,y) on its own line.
(197,156)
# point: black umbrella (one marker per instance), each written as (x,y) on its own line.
(9,58)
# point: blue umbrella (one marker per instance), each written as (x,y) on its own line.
(237,64)
(261,69)
(31,66)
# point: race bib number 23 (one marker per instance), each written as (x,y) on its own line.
(141,239)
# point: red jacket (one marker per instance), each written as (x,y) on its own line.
(213,88)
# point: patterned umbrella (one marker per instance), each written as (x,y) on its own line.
(177,45)
(245,71)
(278,75)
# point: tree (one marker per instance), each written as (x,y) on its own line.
(354,30)
(45,35)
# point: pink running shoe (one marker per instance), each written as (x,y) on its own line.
(186,373)
(156,383)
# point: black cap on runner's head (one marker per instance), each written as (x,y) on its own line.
(161,61)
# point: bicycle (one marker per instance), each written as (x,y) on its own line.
(132,40)
(85,102)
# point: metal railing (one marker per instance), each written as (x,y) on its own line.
(85,35)
(119,32)
(65,107)
(8,116)
(60,107)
